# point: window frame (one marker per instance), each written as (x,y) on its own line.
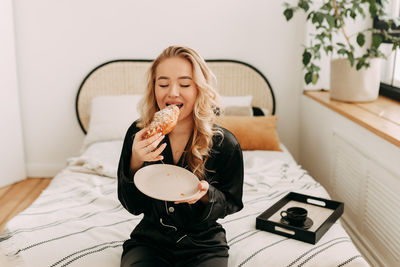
(385,89)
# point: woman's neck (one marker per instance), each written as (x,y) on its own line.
(179,137)
(183,127)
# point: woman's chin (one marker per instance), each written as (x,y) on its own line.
(185,117)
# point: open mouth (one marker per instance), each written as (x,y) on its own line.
(178,105)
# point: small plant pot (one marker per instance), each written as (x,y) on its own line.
(352,85)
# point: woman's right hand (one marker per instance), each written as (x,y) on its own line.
(146,149)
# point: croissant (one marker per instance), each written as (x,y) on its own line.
(164,121)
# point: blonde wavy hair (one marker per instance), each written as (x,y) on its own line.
(203,113)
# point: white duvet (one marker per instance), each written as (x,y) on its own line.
(78,220)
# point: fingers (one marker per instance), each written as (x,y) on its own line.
(147,149)
(141,133)
(155,155)
(146,142)
(150,147)
(203,185)
(203,189)
(152,151)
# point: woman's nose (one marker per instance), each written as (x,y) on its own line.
(174,90)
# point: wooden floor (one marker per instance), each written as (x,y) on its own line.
(16,197)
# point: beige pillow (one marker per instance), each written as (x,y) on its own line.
(237,111)
(253,133)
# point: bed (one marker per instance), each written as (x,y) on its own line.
(78,220)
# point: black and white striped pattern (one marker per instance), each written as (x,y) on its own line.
(78,221)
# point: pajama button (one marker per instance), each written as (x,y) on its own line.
(171,209)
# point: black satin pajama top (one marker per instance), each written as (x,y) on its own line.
(169,225)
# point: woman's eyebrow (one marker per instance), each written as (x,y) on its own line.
(180,78)
(185,77)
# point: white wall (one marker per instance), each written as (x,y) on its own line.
(12,162)
(59,42)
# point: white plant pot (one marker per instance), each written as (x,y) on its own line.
(352,85)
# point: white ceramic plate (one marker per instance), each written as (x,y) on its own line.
(166,182)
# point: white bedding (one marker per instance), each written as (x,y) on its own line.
(78,220)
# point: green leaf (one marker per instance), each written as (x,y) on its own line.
(360,64)
(351,58)
(310,15)
(316,48)
(318,18)
(353,14)
(342,51)
(314,68)
(328,49)
(372,8)
(360,39)
(304,5)
(376,40)
(288,13)
(330,20)
(317,55)
(308,77)
(373,52)
(315,78)
(326,6)
(361,11)
(306,58)
(320,36)
(330,37)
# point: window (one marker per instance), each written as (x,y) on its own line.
(390,72)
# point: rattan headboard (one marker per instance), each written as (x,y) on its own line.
(119,77)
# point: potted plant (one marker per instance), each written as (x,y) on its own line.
(353,77)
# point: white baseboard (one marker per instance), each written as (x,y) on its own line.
(44,170)
(362,246)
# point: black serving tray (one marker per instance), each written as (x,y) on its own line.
(332,210)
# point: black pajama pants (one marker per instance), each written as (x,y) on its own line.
(146,256)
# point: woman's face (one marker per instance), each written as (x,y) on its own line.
(174,85)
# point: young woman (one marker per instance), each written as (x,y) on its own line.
(182,233)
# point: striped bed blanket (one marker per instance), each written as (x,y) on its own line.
(78,220)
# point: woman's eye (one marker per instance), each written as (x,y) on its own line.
(163,85)
(185,85)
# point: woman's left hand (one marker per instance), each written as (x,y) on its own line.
(201,195)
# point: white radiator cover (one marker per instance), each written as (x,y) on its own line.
(370,193)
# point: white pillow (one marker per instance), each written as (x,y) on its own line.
(238,101)
(265,111)
(99,158)
(110,117)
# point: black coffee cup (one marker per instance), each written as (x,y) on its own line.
(296,216)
